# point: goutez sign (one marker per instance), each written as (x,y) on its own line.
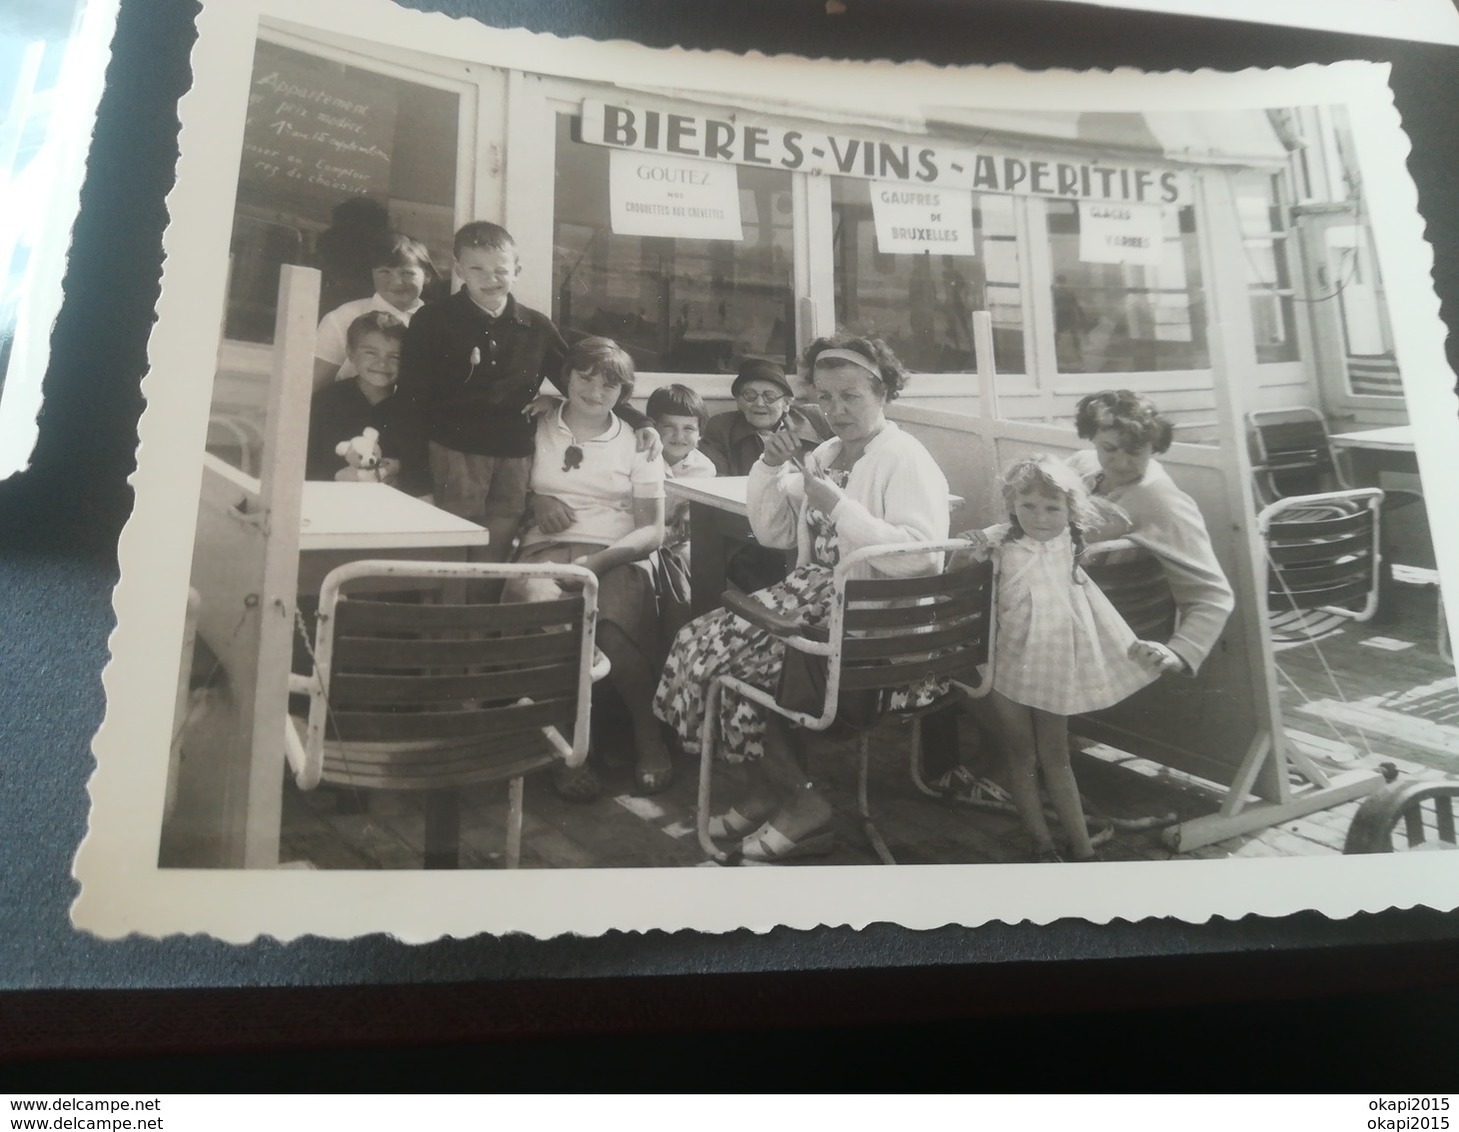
(914,163)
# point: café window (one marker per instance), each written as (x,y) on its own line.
(676,304)
(1127,317)
(1264,240)
(922,305)
(333,155)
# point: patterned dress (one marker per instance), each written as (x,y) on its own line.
(723,644)
(1061,645)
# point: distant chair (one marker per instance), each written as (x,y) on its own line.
(239,435)
(882,634)
(435,697)
(1294,455)
(1323,558)
(1424,809)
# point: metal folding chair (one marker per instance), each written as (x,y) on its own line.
(1294,456)
(1323,553)
(883,634)
(434,697)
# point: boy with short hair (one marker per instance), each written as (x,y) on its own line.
(679,415)
(342,410)
(472,367)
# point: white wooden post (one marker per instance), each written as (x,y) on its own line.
(1231,338)
(229,782)
(987,370)
(281,492)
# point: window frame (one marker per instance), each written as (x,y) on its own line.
(1295,371)
(958,383)
(532,113)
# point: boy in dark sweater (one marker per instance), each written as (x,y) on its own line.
(472,368)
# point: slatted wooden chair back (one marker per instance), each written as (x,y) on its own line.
(441,694)
(1323,561)
(1294,455)
(1421,813)
(899,631)
(426,696)
(1133,579)
(884,634)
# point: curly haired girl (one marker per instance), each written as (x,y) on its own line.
(1062,648)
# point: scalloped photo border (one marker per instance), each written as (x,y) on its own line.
(123,891)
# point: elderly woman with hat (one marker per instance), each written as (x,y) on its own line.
(764,403)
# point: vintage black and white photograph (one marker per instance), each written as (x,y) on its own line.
(585,486)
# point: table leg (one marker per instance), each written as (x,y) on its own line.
(442,829)
(709,542)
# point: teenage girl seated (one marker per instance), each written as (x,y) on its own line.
(599,502)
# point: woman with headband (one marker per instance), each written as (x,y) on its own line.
(870,484)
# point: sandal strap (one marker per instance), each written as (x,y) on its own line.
(731,823)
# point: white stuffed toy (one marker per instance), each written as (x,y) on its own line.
(362,457)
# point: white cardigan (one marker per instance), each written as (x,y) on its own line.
(895,493)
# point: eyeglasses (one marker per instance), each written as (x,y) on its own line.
(572,458)
(768,397)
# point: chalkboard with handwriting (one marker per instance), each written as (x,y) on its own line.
(315,134)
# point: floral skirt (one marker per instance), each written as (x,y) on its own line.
(724,644)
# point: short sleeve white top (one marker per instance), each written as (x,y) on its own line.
(330,343)
(601,487)
(694,466)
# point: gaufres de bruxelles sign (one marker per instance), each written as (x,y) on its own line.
(771,146)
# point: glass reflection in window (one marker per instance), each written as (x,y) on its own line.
(922,306)
(677,305)
(1127,318)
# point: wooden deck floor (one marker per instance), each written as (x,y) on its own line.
(1382,696)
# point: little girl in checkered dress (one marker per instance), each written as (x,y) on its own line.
(1062,648)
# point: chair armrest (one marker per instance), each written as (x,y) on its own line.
(776,624)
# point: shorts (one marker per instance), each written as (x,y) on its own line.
(478,488)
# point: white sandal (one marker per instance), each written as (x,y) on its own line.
(768,844)
(731,823)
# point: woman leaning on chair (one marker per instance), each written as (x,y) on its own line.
(1126,432)
(870,484)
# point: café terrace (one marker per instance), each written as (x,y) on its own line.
(1223,264)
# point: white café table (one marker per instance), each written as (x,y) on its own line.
(344,522)
(1376,450)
